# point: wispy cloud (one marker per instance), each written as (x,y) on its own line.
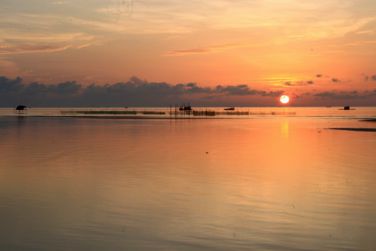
(32,43)
(335,80)
(204,50)
(299,83)
(59,2)
(346,95)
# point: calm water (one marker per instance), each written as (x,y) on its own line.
(261,183)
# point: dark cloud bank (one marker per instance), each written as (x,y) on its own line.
(137,92)
(134,92)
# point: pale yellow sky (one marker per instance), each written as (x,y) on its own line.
(270,44)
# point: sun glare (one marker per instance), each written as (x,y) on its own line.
(284,99)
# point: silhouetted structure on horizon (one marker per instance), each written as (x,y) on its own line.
(185,108)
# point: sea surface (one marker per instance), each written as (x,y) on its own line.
(277,179)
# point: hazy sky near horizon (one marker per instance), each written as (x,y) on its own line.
(294,46)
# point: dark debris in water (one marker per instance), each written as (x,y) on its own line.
(354,129)
(369,120)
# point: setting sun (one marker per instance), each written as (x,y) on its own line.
(284,99)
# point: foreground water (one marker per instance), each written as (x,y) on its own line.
(264,183)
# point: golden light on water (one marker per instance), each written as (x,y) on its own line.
(284,99)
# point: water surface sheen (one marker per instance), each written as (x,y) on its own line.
(269,183)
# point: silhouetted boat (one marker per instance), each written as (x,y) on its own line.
(347,108)
(21,107)
(230,109)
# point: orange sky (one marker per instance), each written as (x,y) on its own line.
(290,45)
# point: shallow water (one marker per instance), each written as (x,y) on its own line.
(265,183)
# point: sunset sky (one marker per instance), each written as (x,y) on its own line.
(296,47)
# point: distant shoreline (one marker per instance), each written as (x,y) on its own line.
(166,117)
(128,117)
